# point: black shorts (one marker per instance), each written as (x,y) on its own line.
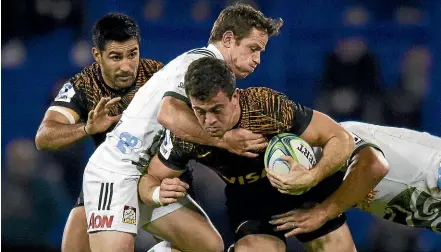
(253,207)
(187,177)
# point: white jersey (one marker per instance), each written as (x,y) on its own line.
(138,131)
(409,194)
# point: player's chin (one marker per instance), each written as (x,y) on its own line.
(125,83)
(242,74)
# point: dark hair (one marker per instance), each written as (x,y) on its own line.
(207,76)
(114,27)
(240,19)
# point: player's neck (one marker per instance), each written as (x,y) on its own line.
(108,82)
(222,50)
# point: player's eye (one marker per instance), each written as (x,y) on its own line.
(115,57)
(253,49)
(200,112)
(132,55)
(217,111)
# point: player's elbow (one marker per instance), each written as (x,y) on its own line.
(377,164)
(41,140)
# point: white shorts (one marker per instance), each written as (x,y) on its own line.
(112,204)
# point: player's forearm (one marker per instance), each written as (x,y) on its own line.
(54,135)
(177,116)
(146,187)
(361,180)
(335,154)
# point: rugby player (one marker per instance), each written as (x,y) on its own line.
(91,102)
(393,173)
(111,176)
(251,199)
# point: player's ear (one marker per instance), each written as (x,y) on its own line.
(235,96)
(96,54)
(228,39)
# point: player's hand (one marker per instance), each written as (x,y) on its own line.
(299,221)
(243,142)
(98,119)
(297,181)
(171,190)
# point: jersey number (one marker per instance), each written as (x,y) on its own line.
(127,143)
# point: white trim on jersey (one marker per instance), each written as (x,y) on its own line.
(64,112)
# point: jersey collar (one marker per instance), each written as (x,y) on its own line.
(216,51)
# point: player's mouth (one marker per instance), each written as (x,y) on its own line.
(212,130)
(125,78)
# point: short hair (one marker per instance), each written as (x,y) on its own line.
(207,76)
(114,27)
(240,19)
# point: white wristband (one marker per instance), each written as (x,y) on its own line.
(155,195)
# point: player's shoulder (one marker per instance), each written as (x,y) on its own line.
(151,64)
(263,98)
(262,93)
(90,75)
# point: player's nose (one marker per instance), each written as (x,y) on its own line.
(256,59)
(126,66)
(210,119)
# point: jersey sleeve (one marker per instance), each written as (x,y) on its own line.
(68,97)
(173,153)
(302,118)
(178,92)
(294,114)
(361,143)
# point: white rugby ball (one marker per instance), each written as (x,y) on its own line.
(287,144)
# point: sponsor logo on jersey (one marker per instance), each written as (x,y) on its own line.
(166,146)
(66,93)
(246,179)
(181,85)
(129,215)
(100,221)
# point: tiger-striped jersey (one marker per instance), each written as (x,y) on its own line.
(83,91)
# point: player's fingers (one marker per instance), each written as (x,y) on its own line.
(166,201)
(113,101)
(285,226)
(90,115)
(288,159)
(296,231)
(283,191)
(282,215)
(274,176)
(274,182)
(256,145)
(249,135)
(173,188)
(256,141)
(172,194)
(249,154)
(177,182)
(279,221)
(101,103)
(114,119)
(105,111)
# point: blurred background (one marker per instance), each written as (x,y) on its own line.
(370,60)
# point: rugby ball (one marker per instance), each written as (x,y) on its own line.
(287,144)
